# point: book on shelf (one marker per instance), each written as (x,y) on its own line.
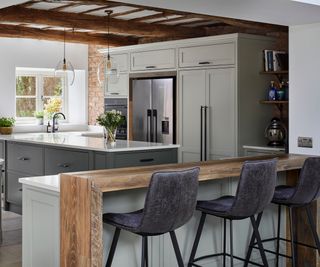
(275,60)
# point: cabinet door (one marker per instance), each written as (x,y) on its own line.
(14,188)
(191,98)
(61,161)
(207,55)
(152,60)
(121,88)
(221,113)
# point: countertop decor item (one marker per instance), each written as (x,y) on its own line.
(108,71)
(6,125)
(110,120)
(39,116)
(64,66)
(276,132)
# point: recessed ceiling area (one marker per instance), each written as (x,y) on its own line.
(83,21)
(282,12)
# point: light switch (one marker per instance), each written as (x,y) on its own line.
(305,142)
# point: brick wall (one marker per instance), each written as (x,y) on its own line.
(95,94)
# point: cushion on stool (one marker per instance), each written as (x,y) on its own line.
(127,221)
(219,205)
(283,192)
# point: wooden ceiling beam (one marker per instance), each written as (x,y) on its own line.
(97,23)
(12,31)
(113,15)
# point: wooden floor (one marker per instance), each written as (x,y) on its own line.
(10,248)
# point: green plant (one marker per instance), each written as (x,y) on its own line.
(7,122)
(39,114)
(111,120)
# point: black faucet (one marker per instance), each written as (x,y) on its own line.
(54,118)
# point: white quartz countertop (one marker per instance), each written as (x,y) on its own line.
(51,182)
(77,140)
(266,148)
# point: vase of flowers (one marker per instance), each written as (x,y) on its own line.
(110,120)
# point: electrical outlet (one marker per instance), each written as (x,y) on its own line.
(305,142)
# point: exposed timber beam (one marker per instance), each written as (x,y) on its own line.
(13,31)
(90,22)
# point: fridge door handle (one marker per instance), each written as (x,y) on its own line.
(155,125)
(201,133)
(149,134)
(205,132)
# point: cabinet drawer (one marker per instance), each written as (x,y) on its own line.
(14,188)
(122,61)
(152,60)
(144,158)
(25,158)
(61,161)
(209,55)
(121,88)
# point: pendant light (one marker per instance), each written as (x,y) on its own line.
(108,71)
(65,67)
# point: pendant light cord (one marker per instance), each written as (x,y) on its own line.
(64,45)
(109,12)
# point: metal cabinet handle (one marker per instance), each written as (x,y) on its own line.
(204,62)
(146,160)
(23,159)
(114,93)
(20,189)
(150,67)
(64,165)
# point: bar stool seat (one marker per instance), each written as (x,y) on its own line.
(170,202)
(218,207)
(283,193)
(126,221)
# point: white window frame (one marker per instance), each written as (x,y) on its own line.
(40,74)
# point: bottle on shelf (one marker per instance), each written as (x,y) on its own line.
(272,92)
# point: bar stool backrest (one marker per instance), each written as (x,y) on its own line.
(255,189)
(170,201)
(308,186)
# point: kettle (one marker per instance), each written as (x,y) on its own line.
(276,132)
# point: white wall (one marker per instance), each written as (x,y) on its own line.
(304,88)
(42,54)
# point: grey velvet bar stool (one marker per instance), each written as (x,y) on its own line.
(170,202)
(254,193)
(303,194)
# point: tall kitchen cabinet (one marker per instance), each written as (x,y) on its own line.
(219,92)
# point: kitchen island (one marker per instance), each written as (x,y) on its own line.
(38,154)
(81,198)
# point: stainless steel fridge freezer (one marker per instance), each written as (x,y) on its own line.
(153,104)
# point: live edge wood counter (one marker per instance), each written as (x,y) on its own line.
(81,200)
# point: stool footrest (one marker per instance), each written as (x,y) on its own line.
(221,254)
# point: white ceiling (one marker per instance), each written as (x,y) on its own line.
(283,12)
(6,3)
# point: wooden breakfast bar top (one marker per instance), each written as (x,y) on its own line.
(139,177)
(81,200)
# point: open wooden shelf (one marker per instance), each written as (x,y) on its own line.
(275,72)
(274,102)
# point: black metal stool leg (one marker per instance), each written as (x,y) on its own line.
(197,239)
(253,238)
(176,248)
(113,247)
(257,235)
(231,244)
(224,241)
(278,235)
(313,228)
(143,252)
(293,263)
(146,250)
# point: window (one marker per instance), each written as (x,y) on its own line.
(39,90)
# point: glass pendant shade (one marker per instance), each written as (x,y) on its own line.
(65,67)
(108,72)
